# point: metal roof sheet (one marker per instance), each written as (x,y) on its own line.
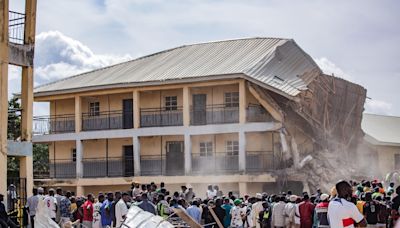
(274,62)
(384,129)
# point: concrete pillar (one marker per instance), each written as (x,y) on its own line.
(26,171)
(188,154)
(78,114)
(26,103)
(3,94)
(136,155)
(79,191)
(242,101)
(186,106)
(242,151)
(243,188)
(136,109)
(79,156)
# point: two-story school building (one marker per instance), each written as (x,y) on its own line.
(197,114)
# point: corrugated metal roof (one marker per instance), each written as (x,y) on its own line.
(384,129)
(274,62)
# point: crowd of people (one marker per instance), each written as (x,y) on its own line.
(348,204)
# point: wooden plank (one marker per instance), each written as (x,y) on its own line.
(215,217)
(186,218)
(267,102)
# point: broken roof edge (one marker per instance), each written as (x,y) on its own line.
(157,53)
(372,140)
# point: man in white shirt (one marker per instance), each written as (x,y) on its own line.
(51,203)
(237,214)
(32,204)
(343,213)
(278,212)
(121,209)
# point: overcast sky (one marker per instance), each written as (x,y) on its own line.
(356,40)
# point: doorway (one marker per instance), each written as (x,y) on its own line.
(175,158)
(128,161)
(199,109)
(127,113)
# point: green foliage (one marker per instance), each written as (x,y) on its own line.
(40,158)
(14,119)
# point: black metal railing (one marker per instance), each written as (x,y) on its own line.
(257,113)
(16,27)
(106,167)
(160,117)
(57,168)
(53,124)
(107,120)
(260,161)
(153,165)
(214,114)
(219,163)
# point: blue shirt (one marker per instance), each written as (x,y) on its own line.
(227,218)
(194,212)
(65,205)
(147,206)
(105,211)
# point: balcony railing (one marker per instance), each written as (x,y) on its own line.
(160,165)
(106,167)
(58,168)
(53,124)
(107,120)
(16,27)
(214,114)
(260,161)
(219,163)
(257,113)
(159,117)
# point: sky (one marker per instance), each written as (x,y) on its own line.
(358,40)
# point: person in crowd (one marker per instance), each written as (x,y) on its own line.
(305,210)
(218,192)
(162,206)
(88,209)
(278,212)
(51,203)
(256,209)
(341,212)
(211,193)
(194,211)
(121,209)
(65,209)
(371,209)
(5,221)
(264,217)
(136,191)
(321,212)
(96,211)
(238,214)
(290,210)
(147,205)
(189,195)
(219,211)
(117,196)
(227,207)
(105,210)
(58,196)
(182,193)
(31,205)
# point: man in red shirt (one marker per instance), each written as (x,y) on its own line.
(88,211)
(306,210)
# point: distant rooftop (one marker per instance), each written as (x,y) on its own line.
(274,63)
(384,130)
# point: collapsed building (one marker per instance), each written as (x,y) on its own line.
(250,115)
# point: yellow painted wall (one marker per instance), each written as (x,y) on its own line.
(215,94)
(157,145)
(63,149)
(97,148)
(386,158)
(259,141)
(156,99)
(62,107)
(112,102)
(218,140)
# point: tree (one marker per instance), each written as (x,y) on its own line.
(14,119)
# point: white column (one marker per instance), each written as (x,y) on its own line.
(136,155)
(188,154)
(79,156)
(242,151)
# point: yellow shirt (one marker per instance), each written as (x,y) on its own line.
(360,206)
(73,207)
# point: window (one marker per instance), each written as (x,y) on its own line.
(232,99)
(94,108)
(206,149)
(73,155)
(171,103)
(232,148)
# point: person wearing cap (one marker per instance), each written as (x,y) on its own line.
(31,205)
(51,203)
(265,216)
(194,211)
(256,209)
(290,210)
(321,212)
(237,214)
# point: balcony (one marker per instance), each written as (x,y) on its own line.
(16,27)
(107,167)
(214,114)
(107,120)
(53,124)
(159,117)
(219,163)
(161,165)
(257,113)
(260,161)
(55,168)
